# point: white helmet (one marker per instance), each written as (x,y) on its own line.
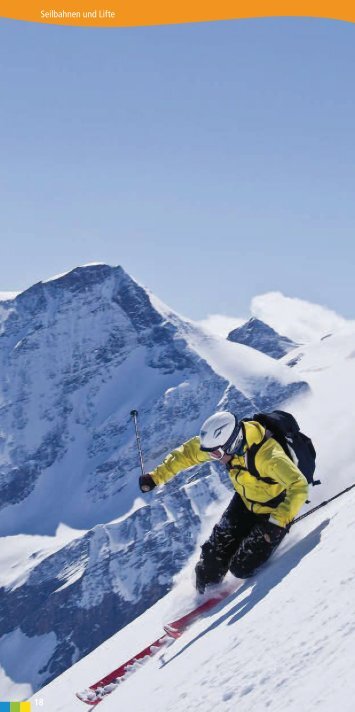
(221,431)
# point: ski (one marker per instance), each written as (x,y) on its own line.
(94,694)
(100,689)
(178,627)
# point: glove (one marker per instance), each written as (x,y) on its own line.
(274,532)
(276,523)
(146,483)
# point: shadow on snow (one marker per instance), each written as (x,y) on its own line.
(267,578)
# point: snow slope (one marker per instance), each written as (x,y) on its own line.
(327,413)
(286,638)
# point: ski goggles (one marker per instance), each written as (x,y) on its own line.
(234,446)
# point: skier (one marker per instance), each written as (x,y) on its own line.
(270,490)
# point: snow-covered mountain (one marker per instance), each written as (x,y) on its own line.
(80,544)
(260,336)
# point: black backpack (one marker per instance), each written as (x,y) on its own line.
(286,431)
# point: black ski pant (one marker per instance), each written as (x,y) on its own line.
(240,542)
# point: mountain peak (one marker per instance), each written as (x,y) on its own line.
(262,337)
(92,269)
(84,276)
(75,280)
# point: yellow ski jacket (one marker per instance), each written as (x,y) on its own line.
(281,489)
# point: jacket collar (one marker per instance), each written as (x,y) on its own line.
(254,434)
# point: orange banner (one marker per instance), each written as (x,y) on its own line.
(128,13)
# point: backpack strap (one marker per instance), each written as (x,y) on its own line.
(251,454)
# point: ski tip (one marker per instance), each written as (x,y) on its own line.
(89,697)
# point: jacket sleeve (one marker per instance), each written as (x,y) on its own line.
(185,456)
(280,467)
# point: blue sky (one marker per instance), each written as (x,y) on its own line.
(213,161)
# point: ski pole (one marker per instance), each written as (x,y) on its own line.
(322,504)
(134,415)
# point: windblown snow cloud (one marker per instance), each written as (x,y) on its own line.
(221,325)
(298,319)
(295,318)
